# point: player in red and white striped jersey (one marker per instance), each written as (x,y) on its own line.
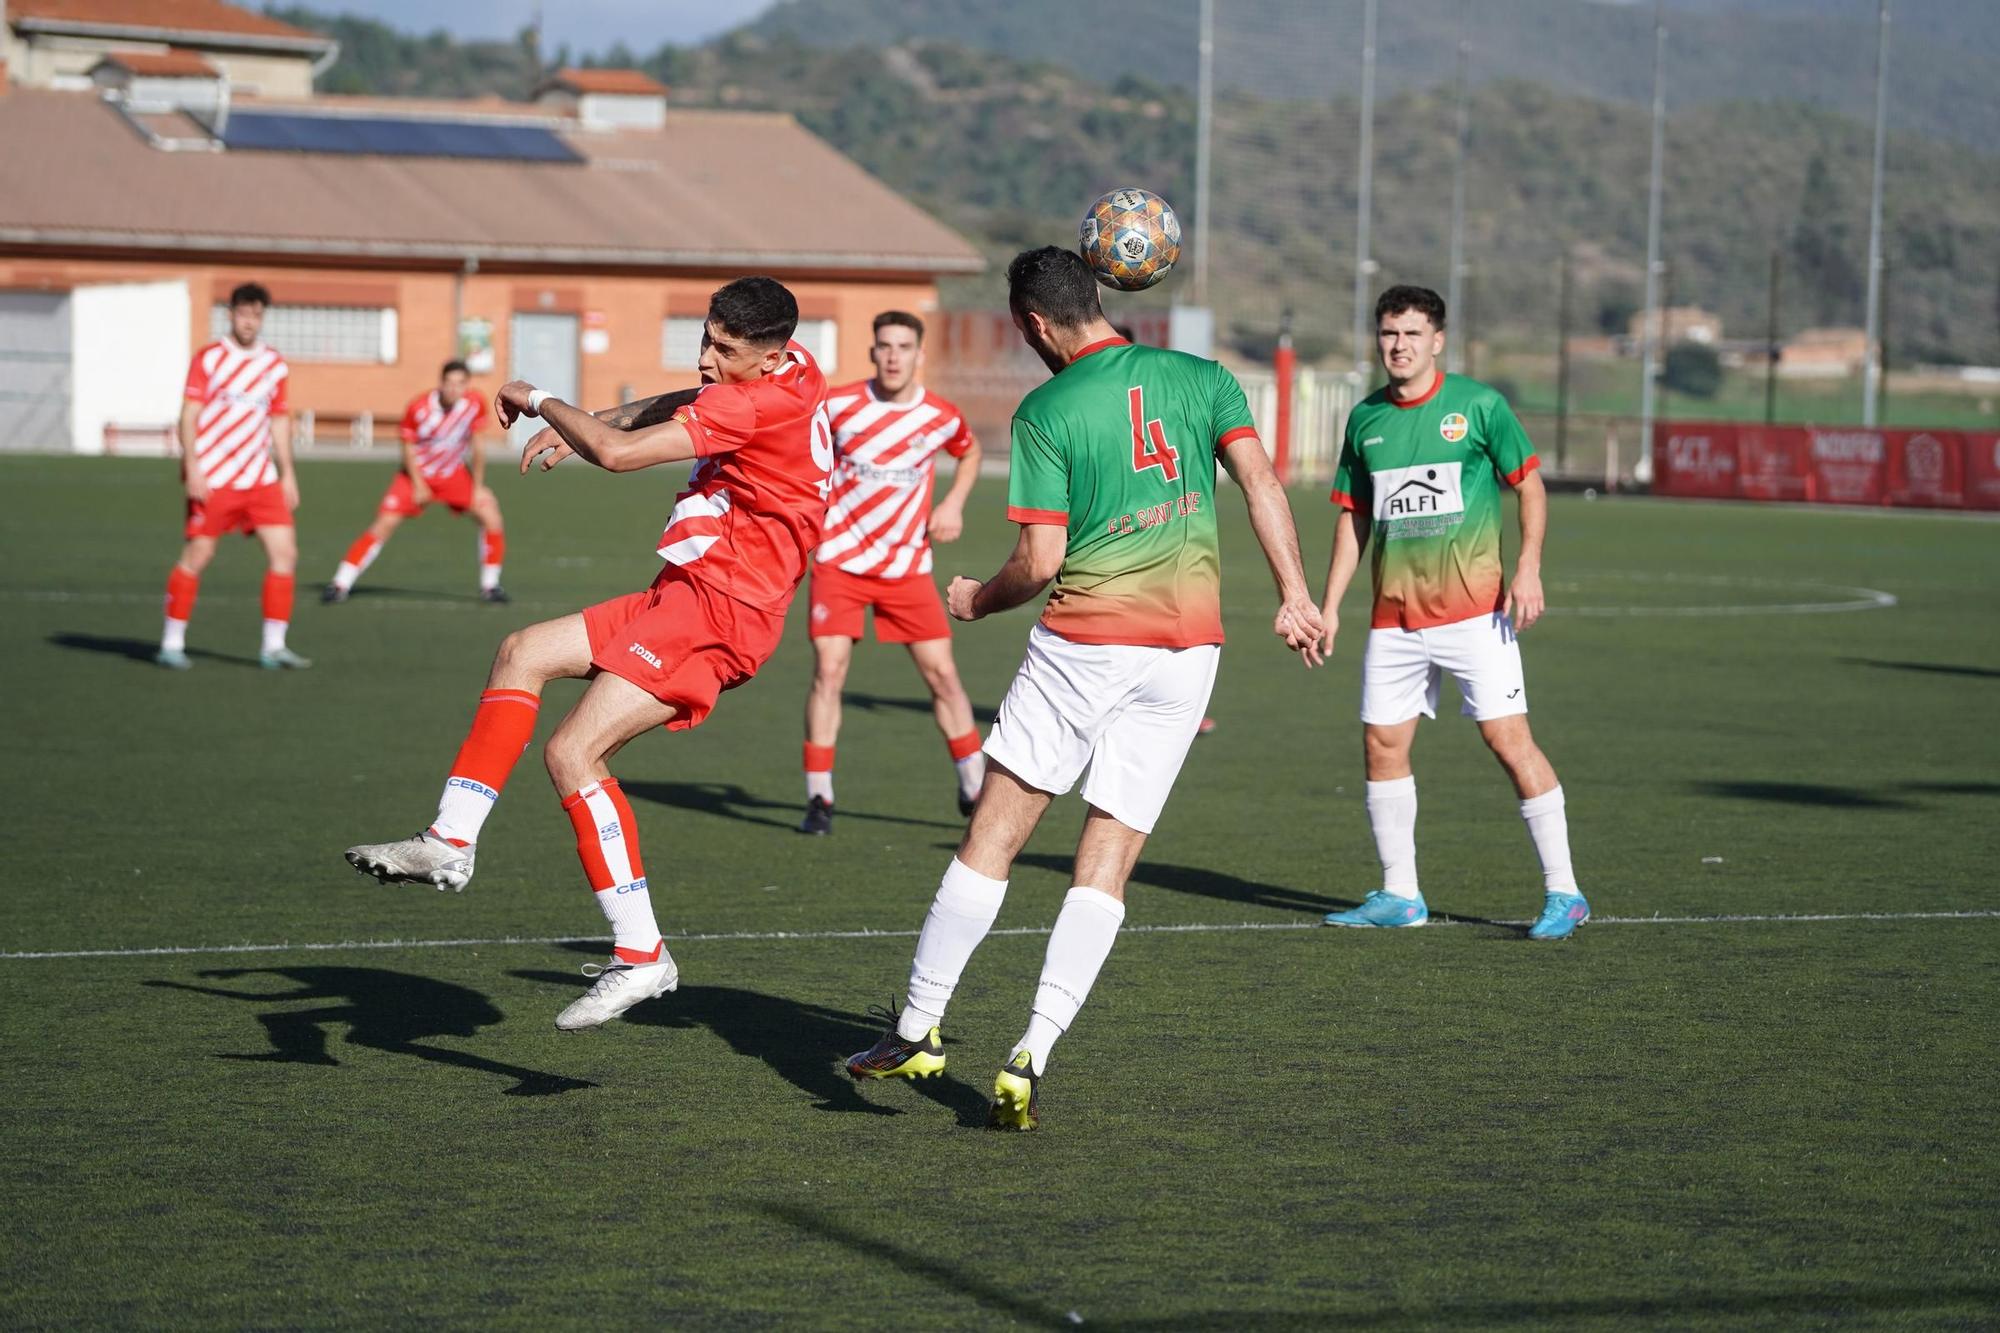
(440,434)
(236,471)
(735,548)
(888,432)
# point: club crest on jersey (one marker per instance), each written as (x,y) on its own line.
(1454,426)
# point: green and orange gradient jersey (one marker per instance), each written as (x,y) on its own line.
(1428,474)
(1120,448)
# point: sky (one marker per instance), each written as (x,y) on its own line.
(586,25)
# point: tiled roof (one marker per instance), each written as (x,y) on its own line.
(206,17)
(174,64)
(629,82)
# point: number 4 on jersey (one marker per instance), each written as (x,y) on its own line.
(1149,440)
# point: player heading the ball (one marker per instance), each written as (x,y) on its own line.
(734,547)
(1113,484)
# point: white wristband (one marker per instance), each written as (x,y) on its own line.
(536,397)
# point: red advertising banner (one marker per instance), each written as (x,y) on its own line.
(1926,468)
(1846,466)
(1771,463)
(1694,458)
(1982,470)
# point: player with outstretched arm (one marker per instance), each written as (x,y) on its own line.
(1113,484)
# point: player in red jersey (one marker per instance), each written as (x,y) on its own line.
(236,471)
(887,433)
(735,548)
(440,432)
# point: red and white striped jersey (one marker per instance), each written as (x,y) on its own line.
(239,389)
(878,518)
(441,434)
(757,495)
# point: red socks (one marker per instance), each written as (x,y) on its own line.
(277,596)
(492,547)
(607,842)
(963,747)
(362,551)
(501,730)
(181,589)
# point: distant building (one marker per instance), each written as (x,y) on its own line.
(60,43)
(1824,353)
(606,98)
(1681,323)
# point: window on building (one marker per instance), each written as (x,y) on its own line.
(821,337)
(364,335)
(680,341)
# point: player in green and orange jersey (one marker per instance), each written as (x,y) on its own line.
(1421,467)
(1113,484)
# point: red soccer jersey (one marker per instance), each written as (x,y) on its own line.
(441,433)
(239,389)
(878,516)
(757,496)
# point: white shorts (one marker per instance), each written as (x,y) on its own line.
(1125,712)
(1401,668)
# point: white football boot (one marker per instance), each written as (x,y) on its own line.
(618,987)
(424,859)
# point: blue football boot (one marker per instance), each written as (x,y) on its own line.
(1383,908)
(1561,914)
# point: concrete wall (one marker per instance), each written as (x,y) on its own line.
(44,60)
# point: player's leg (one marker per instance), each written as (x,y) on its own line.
(832,653)
(1399,687)
(953,712)
(611,713)
(492,544)
(281,553)
(502,726)
(183,583)
(362,552)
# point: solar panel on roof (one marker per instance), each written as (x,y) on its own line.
(388,137)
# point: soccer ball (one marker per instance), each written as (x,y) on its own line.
(1130,238)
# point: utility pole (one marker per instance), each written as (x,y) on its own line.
(1771,343)
(1871,384)
(1650,357)
(1364,266)
(1454,355)
(1204,130)
(1882,375)
(1562,366)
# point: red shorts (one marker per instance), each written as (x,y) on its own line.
(682,642)
(454,490)
(224,512)
(907,610)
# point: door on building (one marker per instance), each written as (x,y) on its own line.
(542,351)
(35,370)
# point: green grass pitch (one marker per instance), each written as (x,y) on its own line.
(1662,1123)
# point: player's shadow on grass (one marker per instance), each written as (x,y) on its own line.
(1929,668)
(387,592)
(727,800)
(137,650)
(381,1010)
(804,1044)
(879,703)
(1803,793)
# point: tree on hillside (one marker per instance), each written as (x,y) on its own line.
(1824,249)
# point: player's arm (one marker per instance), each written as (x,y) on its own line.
(1298,620)
(948,518)
(419,489)
(281,449)
(193,483)
(596,442)
(1525,602)
(635,415)
(1350,538)
(1037,558)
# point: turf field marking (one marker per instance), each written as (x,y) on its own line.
(775,936)
(1848,599)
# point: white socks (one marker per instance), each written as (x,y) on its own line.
(960,916)
(821,785)
(174,636)
(274,635)
(462,809)
(971,774)
(1078,946)
(489,577)
(1392,815)
(1548,825)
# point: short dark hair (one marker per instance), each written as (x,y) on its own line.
(249,293)
(1422,300)
(455,368)
(1054,283)
(900,319)
(760,311)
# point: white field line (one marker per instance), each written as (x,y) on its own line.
(784,936)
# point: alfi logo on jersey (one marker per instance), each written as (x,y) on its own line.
(1454,426)
(1420,501)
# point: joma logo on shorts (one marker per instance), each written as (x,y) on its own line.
(639,650)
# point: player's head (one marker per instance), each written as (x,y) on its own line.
(247,305)
(1409,332)
(1053,298)
(898,350)
(452,381)
(749,323)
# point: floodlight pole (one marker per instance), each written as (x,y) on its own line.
(1650,357)
(1204,130)
(1454,354)
(1871,387)
(1363,265)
